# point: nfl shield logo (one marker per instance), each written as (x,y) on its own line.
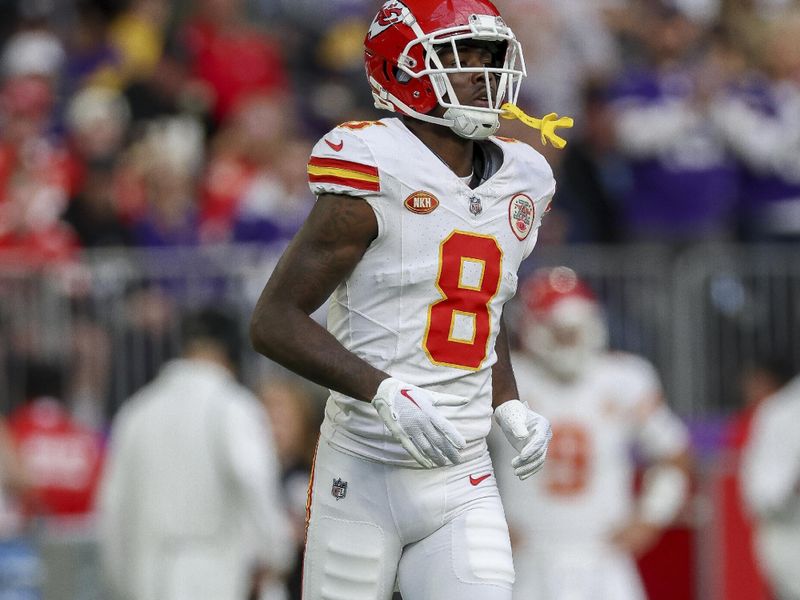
(339,489)
(475,205)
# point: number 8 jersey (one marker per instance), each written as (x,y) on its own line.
(425,301)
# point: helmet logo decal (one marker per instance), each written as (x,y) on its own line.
(520,216)
(392,12)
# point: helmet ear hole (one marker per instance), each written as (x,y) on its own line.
(401,76)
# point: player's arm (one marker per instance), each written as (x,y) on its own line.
(327,248)
(664,442)
(323,253)
(528,432)
(504,384)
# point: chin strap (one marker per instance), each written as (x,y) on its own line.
(547,124)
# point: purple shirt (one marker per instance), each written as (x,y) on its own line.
(684,186)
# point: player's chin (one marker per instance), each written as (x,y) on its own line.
(480,103)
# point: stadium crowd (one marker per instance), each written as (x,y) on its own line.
(146,123)
(174,124)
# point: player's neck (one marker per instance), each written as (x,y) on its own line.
(454,151)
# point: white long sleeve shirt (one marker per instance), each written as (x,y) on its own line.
(190,497)
(771,487)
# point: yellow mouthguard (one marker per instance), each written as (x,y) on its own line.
(547,124)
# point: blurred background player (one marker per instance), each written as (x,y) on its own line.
(190,500)
(577,526)
(770,479)
(418,257)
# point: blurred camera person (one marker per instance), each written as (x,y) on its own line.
(190,501)
(577,529)
(770,478)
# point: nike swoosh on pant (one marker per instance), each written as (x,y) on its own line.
(476,480)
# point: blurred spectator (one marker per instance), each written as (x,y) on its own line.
(592,176)
(93,214)
(97,121)
(296,426)
(138,36)
(168,159)
(275,204)
(566,44)
(255,186)
(91,58)
(683,185)
(577,526)
(33,51)
(190,501)
(230,55)
(61,457)
(760,120)
(770,478)
(35,174)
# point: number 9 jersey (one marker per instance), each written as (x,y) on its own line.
(425,301)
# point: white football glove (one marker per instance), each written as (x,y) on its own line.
(528,432)
(410,414)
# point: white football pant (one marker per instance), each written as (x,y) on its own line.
(441,533)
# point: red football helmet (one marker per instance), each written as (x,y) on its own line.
(407,76)
(563,325)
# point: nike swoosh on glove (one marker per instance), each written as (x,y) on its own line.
(528,432)
(410,414)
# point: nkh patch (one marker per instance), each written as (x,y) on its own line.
(339,488)
(421,203)
(520,215)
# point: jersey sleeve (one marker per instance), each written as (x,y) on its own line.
(543,185)
(342,163)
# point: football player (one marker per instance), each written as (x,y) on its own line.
(577,526)
(770,475)
(419,228)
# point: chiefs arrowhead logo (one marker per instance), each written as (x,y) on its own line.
(392,12)
(421,203)
(521,212)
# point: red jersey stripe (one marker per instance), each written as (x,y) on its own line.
(343,164)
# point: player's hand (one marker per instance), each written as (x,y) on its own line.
(410,414)
(636,537)
(528,432)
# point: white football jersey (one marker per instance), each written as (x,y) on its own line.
(585,490)
(424,303)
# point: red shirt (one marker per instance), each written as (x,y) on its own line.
(62,457)
(235,62)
